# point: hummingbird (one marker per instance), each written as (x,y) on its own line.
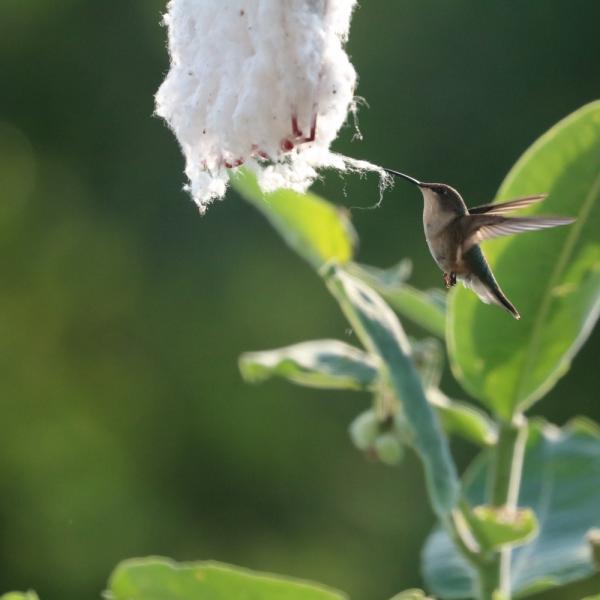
(454,232)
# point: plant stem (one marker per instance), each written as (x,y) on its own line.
(504,492)
(486,566)
(459,531)
(493,569)
(489,579)
(508,462)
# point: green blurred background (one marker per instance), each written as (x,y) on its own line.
(126,428)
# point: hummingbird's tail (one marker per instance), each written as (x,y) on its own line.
(490,293)
(482,281)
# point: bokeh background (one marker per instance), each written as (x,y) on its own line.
(125,427)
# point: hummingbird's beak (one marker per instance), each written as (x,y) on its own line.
(403,176)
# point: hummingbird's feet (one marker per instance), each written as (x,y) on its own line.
(450,279)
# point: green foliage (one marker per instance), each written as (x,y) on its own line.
(364,430)
(553,277)
(19,596)
(316,229)
(381,333)
(456,418)
(428,356)
(331,364)
(551,535)
(561,484)
(426,309)
(411,595)
(163,579)
(380,437)
(388,448)
(323,363)
(462,419)
(504,367)
(594,541)
(125,425)
(495,527)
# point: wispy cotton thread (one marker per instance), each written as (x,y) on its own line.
(262,83)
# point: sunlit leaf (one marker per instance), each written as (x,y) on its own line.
(552,276)
(561,484)
(321,364)
(163,579)
(423,308)
(316,229)
(380,331)
(411,595)
(19,596)
(462,419)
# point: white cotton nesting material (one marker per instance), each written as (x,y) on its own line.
(261,83)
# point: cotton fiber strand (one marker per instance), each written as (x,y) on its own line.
(262,83)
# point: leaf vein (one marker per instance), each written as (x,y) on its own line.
(542,315)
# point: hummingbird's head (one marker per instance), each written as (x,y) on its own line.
(437,195)
(442,196)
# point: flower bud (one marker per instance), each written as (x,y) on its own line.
(364,430)
(388,448)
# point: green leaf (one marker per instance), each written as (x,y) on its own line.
(428,355)
(321,364)
(457,418)
(423,308)
(19,596)
(316,229)
(553,277)
(163,579)
(411,595)
(561,484)
(462,419)
(495,527)
(380,331)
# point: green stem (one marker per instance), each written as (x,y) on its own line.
(459,531)
(489,579)
(493,568)
(486,565)
(504,492)
(508,463)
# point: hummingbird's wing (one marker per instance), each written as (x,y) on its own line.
(478,228)
(504,207)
